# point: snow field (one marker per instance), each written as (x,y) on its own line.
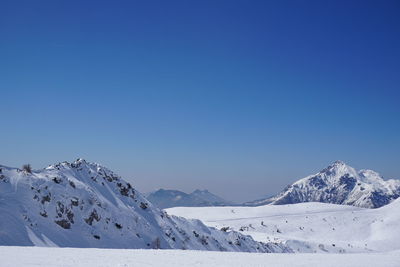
(87,257)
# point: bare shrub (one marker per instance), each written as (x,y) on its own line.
(27,168)
(156,244)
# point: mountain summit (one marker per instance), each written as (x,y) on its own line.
(173,198)
(83,204)
(340,184)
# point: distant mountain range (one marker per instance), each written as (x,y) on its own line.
(338,184)
(83,204)
(174,198)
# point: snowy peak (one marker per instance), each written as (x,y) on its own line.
(338,164)
(79,164)
(339,184)
(337,169)
(370,176)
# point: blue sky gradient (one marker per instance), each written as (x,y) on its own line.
(240,97)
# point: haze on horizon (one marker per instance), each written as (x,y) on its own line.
(238,97)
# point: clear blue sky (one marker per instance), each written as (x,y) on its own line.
(240,97)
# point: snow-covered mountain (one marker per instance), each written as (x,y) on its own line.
(82,204)
(339,184)
(174,198)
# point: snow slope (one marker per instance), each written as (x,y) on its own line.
(84,257)
(309,227)
(174,198)
(82,204)
(338,184)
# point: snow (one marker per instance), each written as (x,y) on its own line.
(338,184)
(309,227)
(84,257)
(82,204)
(50,210)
